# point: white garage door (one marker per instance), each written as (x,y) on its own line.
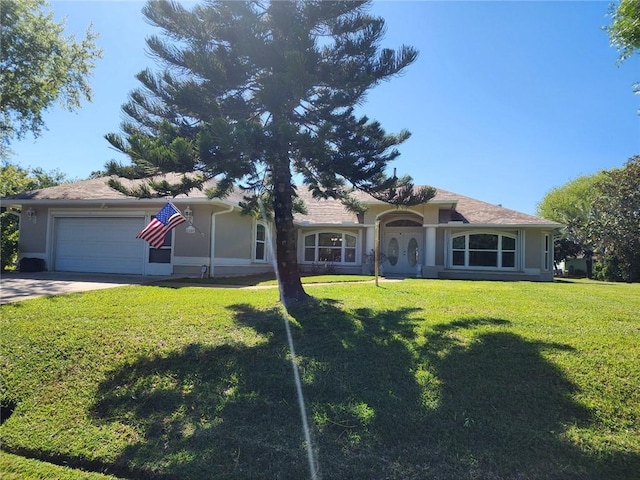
(99,244)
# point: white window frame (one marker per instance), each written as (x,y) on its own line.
(265,242)
(316,247)
(499,251)
(547,252)
(155,267)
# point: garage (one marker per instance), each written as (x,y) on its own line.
(99,245)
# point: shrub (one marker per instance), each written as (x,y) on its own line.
(607,269)
(8,241)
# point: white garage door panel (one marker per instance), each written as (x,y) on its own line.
(100,245)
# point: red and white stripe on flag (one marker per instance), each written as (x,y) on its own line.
(166,219)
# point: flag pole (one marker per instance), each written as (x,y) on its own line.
(376,249)
(197,229)
(189,221)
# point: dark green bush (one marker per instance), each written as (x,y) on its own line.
(610,269)
(8,241)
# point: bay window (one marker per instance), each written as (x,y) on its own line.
(483,250)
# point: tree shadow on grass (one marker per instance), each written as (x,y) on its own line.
(388,395)
(209,412)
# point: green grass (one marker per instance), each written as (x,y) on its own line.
(410,380)
(14,467)
(269,279)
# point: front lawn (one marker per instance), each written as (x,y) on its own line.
(409,380)
(267,280)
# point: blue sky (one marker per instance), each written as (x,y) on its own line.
(506,100)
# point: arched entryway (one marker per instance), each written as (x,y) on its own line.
(402,244)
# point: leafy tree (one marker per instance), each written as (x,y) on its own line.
(624,31)
(253,93)
(13,180)
(38,67)
(570,204)
(614,224)
(565,248)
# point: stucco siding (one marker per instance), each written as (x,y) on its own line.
(33,236)
(241,270)
(431,214)
(371,213)
(233,234)
(195,244)
(533,249)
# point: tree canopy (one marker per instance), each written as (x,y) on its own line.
(13,180)
(614,224)
(602,216)
(624,31)
(39,66)
(252,93)
(570,204)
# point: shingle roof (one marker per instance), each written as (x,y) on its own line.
(460,208)
(97,189)
(470,210)
(93,189)
(327,211)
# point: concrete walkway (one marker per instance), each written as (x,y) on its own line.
(16,286)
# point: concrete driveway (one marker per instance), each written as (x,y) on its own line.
(23,286)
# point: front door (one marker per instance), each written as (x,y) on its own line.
(403,250)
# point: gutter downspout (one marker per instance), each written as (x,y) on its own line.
(213,238)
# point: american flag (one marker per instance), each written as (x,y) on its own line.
(166,219)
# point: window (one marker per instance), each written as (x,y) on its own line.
(413,252)
(404,223)
(508,252)
(162,254)
(330,247)
(547,252)
(393,251)
(483,250)
(260,249)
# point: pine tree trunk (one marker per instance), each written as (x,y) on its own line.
(286,251)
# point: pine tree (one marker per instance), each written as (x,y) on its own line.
(253,92)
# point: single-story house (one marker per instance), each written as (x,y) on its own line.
(88,227)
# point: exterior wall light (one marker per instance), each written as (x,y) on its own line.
(188,214)
(32,215)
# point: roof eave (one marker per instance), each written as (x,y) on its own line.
(117,201)
(453,202)
(503,225)
(307,224)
